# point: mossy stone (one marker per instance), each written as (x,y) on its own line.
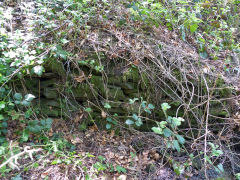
(82,91)
(115,93)
(50,93)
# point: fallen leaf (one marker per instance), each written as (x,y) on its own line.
(77,140)
(122,177)
(103,114)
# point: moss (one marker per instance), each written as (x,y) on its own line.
(47,83)
(50,111)
(57,67)
(115,93)
(98,84)
(82,91)
(50,93)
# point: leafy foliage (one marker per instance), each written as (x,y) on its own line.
(174,140)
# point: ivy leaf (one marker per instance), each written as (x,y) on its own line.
(220,168)
(131,101)
(29,97)
(163,124)
(177,121)
(135,117)
(88,109)
(181,139)
(2,150)
(139,122)
(165,106)
(109,119)
(167,132)
(107,106)
(129,122)
(150,106)
(4,124)
(176,145)
(203,54)
(108,126)
(25,136)
(38,70)
(2,105)
(157,130)
(17,102)
(18,177)
(18,96)
(25,103)
(64,41)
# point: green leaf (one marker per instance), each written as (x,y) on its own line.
(220,168)
(217,153)
(150,106)
(165,106)
(129,122)
(167,132)
(147,110)
(2,150)
(109,119)
(35,165)
(203,54)
(57,161)
(157,130)
(121,169)
(29,97)
(177,121)
(107,106)
(193,27)
(135,117)
(64,41)
(88,109)
(25,136)
(38,70)
(139,122)
(2,105)
(178,168)
(18,177)
(131,101)
(25,103)
(49,121)
(108,126)
(1,117)
(18,96)
(162,124)
(17,102)
(115,122)
(176,145)
(4,124)
(181,139)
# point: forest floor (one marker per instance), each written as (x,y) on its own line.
(98,154)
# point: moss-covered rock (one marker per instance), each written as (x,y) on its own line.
(82,91)
(57,67)
(50,93)
(115,93)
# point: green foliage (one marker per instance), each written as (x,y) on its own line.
(36,126)
(214,153)
(169,129)
(143,107)
(212,24)
(237,176)
(120,169)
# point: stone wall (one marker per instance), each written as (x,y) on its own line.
(65,90)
